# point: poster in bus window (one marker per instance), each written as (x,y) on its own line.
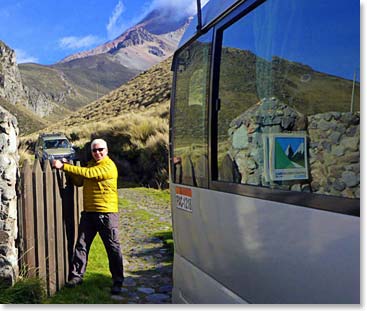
(285,156)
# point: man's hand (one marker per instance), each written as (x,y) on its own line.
(57,164)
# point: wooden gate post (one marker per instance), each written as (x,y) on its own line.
(50,207)
(39,220)
(69,218)
(28,258)
(59,229)
(50,228)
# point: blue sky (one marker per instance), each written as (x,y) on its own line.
(328,42)
(46,31)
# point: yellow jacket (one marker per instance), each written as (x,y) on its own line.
(99,184)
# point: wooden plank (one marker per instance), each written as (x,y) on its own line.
(69,216)
(39,220)
(59,229)
(50,229)
(28,229)
(68,235)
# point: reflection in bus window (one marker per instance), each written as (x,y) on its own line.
(290,98)
(190,115)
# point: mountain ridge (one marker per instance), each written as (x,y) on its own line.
(152,88)
(75,81)
(148,39)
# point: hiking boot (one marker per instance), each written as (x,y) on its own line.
(116,288)
(74,282)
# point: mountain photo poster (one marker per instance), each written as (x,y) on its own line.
(286,156)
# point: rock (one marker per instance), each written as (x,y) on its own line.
(337,150)
(8,179)
(334,137)
(124,291)
(118,298)
(165,289)
(296,187)
(157,298)
(339,185)
(129,281)
(350,143)
(146,290)
(350,179)
(13,89)
(324,125)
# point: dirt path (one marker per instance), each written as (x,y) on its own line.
(147,259)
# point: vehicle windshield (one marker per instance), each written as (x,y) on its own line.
(57,143)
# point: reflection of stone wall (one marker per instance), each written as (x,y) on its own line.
(333,148)
(334,153)
(246,136)
(8,202)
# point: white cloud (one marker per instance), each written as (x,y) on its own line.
(115,25)
(74,43)
(23,57)
(183,7)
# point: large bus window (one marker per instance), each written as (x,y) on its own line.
(290,98)
(190,142)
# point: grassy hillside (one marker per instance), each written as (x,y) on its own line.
(95,76)
(149,89)
(75,84)
(133,119)
(295,84)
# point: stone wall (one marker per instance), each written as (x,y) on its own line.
(332,149)
(8,204)
(334,153)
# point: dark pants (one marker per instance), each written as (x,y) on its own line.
(106,224)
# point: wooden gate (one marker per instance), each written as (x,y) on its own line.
(49,207)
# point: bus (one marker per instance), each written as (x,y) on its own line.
(265,153)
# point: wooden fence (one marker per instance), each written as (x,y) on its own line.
(49,208)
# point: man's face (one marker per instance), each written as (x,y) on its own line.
(98,152)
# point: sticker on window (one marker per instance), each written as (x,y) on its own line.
(184,199)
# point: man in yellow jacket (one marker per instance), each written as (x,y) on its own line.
(100,198)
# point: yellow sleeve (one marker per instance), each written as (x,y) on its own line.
(99,172)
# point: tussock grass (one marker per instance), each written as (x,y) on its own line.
(25,155)
(133,119)
(138,143)
(24,291)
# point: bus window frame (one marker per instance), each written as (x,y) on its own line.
(308,200)
(328,203)
(200,33)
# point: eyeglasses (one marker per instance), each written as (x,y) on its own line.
(98,149)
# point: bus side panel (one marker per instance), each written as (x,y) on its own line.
(268,252)
(200,287)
